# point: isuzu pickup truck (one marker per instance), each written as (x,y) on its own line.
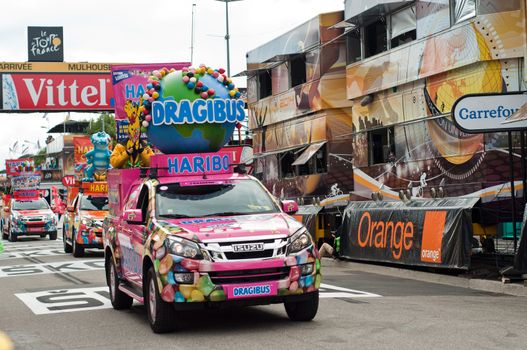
(190,232)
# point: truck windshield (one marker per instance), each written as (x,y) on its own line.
(94,203)
(232,198)
(38,204)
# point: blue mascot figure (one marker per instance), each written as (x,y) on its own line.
(98,159)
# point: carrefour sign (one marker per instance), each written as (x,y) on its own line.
(480,113)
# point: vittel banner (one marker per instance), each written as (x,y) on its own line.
(431,235)
(480,113)
(56,92)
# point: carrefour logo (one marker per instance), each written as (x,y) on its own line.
(198,111)
(498,112)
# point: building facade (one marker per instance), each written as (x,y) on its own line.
(359,102)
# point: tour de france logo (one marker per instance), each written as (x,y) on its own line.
(45,43)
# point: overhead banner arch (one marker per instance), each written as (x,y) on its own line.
(55,86)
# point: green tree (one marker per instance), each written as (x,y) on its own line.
(40,157)
(109,125)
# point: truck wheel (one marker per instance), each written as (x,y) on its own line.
(67,247)
(302,310)
(52,236)
(4,234)
(161,315)
(120,301)
(12,236)
(78,251)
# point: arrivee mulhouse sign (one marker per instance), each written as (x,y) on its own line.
(480,113)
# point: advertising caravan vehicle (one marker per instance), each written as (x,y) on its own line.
(193,230)
(28,215)
(25,212)
(85,214)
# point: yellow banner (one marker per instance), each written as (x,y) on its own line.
(54,67)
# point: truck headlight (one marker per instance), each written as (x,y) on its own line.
(299,241)
(185,248)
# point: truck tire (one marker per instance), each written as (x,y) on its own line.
(4,234)
(302,310)
(120,301)
(161,315)
(53,236)
(67,247)
(78,251)
(12,236)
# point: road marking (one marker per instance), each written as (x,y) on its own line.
(66,300)
(95,298)
(31,254)
(55,267)
(339,292)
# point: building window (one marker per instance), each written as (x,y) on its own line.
(316,162)
(432,17)
(287,169)
(375,38)
(403,26)
(462,10)
(353,45)
(264,84)
(381,145)
(297,67)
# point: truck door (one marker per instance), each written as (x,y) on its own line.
(132,236)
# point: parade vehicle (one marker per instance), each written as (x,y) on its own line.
(27,214)
(87,208)
(189,232)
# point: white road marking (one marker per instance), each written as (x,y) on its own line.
(31,253)
(54,267)
(330,291)
(95,298)
(66,300)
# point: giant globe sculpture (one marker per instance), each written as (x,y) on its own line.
(189,84)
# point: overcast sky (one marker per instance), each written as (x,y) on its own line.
(129,31)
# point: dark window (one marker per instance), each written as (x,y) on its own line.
(142,202)
(375,40)
(353,46)
(316,164)
(381,144)
(403,38)
(265,87)
(286,167)
(298,70)
(403,26)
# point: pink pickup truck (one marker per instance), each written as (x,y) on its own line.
(192,233)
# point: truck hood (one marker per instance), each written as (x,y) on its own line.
(40,212)
(94,214)
(241,226)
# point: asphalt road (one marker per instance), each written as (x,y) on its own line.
(50,300)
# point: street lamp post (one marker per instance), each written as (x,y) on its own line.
(227,36)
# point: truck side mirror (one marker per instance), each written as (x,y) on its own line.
(289,207)
(133,216)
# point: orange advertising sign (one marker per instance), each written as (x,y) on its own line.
(81,146)
(95,187)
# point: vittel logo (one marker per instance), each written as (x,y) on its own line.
(55,93)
